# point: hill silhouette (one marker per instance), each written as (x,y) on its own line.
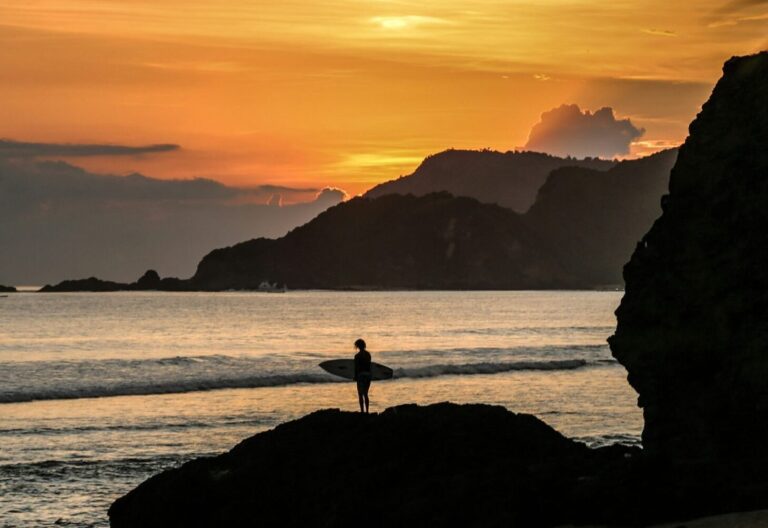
(592,220)
(578,234)
(429,242)
(509,179)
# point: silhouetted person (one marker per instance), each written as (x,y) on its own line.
(362,374)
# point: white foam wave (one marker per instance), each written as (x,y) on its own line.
(430,371)
(179,375)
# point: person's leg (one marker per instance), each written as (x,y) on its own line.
(366,386)
(360,396)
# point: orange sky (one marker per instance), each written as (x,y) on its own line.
(349,92)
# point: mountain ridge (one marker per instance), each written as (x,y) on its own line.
(510,179)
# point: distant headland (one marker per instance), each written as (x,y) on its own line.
(582,227)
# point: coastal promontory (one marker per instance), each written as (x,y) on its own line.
(436,241)
(692,329)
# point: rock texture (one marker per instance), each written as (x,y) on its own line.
(509,179)
(441,465)
(692,327)
(593,219)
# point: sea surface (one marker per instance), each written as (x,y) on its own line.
(100,391)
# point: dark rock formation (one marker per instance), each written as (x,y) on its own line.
(441,465)
(509,179)
(149,281)
(91,284)
(692,328)
(7,289)
(593,219)
(430,242)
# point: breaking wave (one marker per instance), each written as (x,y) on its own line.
(65,380)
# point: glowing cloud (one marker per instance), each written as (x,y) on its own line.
(403,22)
(567,131)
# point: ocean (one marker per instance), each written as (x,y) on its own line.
(100,391)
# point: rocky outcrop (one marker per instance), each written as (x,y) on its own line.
(7,289)
(435,241)
(692,328)
(441,465)
(509,179)
(593,219)
(149,281)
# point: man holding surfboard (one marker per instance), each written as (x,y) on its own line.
(362,374)
(360,369)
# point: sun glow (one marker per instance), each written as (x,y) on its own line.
(403,22)
(346,93)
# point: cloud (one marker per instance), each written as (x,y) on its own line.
(404,22)
(735,12)
(24,150)
(660,32)
(332,195)
(567,131)
(738,5)
(60,221)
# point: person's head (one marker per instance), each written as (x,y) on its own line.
(360,344)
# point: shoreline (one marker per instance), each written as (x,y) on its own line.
(39,289)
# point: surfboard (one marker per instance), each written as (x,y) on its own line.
(345,368)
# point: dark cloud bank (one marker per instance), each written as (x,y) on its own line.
(20,150)
(567,131)
(59,221)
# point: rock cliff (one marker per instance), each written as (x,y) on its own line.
(692,328)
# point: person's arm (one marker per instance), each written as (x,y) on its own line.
(357,366)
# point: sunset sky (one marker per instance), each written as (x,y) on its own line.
(349,93)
